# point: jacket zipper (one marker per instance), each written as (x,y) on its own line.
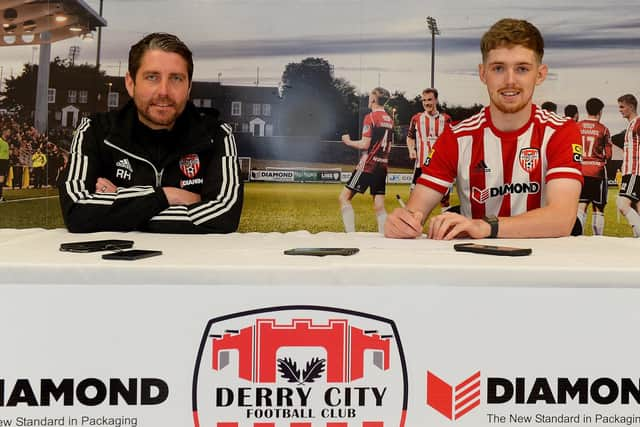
(142,159)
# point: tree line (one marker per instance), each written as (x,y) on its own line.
(314,101)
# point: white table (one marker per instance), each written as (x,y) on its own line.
(32,257)
(85,325)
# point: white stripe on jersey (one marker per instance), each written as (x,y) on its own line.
(438,181)
(493,158)
(472,123)
(423,151)
(549,116)
(562,170)
(465,143)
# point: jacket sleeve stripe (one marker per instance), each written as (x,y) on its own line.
(224,201)
(75,184)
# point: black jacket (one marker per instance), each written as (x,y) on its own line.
(202,160)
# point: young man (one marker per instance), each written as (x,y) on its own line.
(596,151)
(627,200)
(571,112)
(550,106)
(371,171)
(517,167)
(157,164)
(4,160)
(424,130)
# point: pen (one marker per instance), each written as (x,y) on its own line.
(404,206)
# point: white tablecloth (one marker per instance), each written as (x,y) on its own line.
(32,256)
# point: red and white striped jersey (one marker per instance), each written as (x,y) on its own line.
(504,173)
(631,158)
(425,130)
(378,126)
(596,147)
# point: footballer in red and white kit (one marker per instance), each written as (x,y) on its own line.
(377,125)
(596,148)
(631,156)
(518,168)
(504,173)
(629,195)
(425,129)
(596,151)
(371,171)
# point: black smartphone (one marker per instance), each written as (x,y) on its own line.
(322,251)
(96,245)
(131,255)
(491,249)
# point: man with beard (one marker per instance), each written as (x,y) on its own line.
(517,167)
(157,164)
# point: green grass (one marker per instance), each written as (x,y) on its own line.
(267,207)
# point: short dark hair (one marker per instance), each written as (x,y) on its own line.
(432,90)
(510,32)
(594,106)
(630,100)
(549,106)
(570,110)
(161,41)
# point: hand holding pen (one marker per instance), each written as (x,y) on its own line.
(403,222)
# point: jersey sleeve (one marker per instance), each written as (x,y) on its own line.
(564,153)
(412,127)
(608,147)
(367,126)
(441,165)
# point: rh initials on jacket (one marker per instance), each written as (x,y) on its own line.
(199,155)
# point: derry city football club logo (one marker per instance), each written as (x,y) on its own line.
(529,159)
(190,165)
(300,366)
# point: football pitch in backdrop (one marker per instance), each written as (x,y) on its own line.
(269,207)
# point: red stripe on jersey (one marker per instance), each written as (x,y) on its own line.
(631,159)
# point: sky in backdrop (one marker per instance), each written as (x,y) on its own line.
(592,47)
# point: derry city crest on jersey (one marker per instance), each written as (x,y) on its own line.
(190,165)
(529,159)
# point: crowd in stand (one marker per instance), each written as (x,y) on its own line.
(35,159)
